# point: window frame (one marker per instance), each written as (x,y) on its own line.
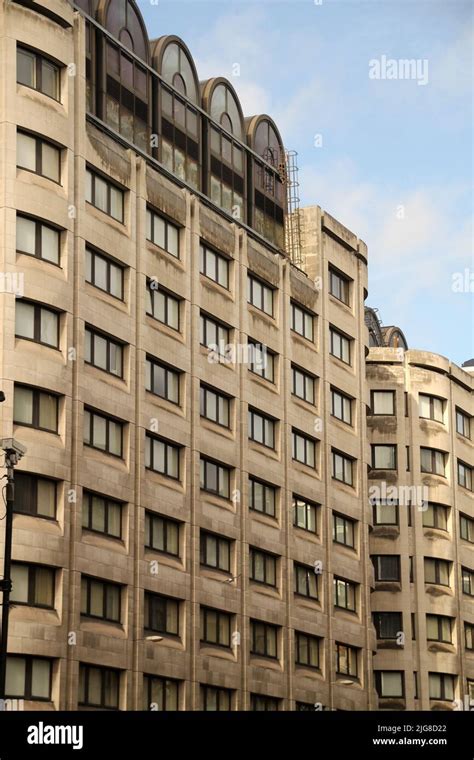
(169,447)
(38,308)
(345,340)
(108,587)
(352,655)
(350,592)
(108,419)
(344,283)
(269,428)
(166,523)
(307,639)
(148,679)
(269,563)
(109,262)
(373,393)
(298,569)
(111,342)
(36,399)
(307,439)
(467,535)
(305,314)
(97,175)
(347,461)
(466,423)
(38,155)
(379,684)
(269,360)
(168,297)
(39,58)
(203,552)
(168,371)
(438,564)
(378,625)
(434,459)
(309,398)
(305,503)
(267,292)
(151,216)
(267,487)
(33,568)
(150,597)
(222,616)
(268,630)
(393,455)
(346,521)
(221,468)
(34,478)
(220,261)
(377,568)
(87,502)
(29,661)
(204,391)
(39,224)
(85,669)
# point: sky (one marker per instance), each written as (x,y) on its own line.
(389,155)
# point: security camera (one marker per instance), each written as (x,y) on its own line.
(13,449)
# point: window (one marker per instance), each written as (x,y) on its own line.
(340,345)
(214,334)
(433,461)
(215,406)
(260,295)
(162,233)
(160,693)
(226,180)
(263,567)
(384,457)
(214,698)
(101,599)
(466,527)
(35,238)
(341,406)
(388,625)
(35,408)
(103,352)
(305,514)
(307,650)
(37,71)
(465,478)
(215,627)
(32,585)
(162,306)
(387,567)
(431,407)
(162,380)
(37,323)
(385,512)
(441,686)
(214,266)
(342,468)
(390,683)
(347,660)
(215,551)
(344,530)
(104,274)
(463,423)
(437,571)
(303,384)
(99,687)
(262,703)
(162,456)
(35,495)
(469,636)
(162,534)
(101,514)
(103,433)
(104,195)
(28,678)
(439,628)
(215,478)
(261,428)
(383,402)
(302,321)
(305,581)
(303,448)
(345,594)
(261,360)
(38,156)
(339,286)
(262,497)
(263,639)
(161,614)
(467,581)
(435,516)
(180,130)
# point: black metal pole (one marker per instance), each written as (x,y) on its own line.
(6,583)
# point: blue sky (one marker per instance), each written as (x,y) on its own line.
(394,160)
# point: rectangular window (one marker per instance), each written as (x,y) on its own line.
(162,380)
(162,534)
(214,266)
(101,514)
(439,628)
(161,614)
(305,581)
(36,71)
(339,286)
(383,402)
(101,599)
(469,636)
(215,478)
(216,699)
(162,456)
(213,334)
(307,650)
(441,686)
(160,693)
(341,406)
(103,351)
(467,581)
(303,384)
(215,627)
(345,594)
(35,495)
(465,479)
(32,585)
(435,516)
(342,468)
(162,233)
(99,687)
(262,496)
(340,345)
(260,295)
(305,514)
(215,406)
(28,678)
(215,551)
(388,625)
(105,195)
(385,512)
(263,639)
(103,433)
(466,528)
(263,567)
(104,274)
(390,683)
(437,571)
(302,321)
(431,407)
(433,461)
(347,660)
(384,456)
(463,424)
(344,530)
(35,238)
(162,305)
(38,155)
(303,448)
(37,323)
(387,567)
(263,703)
(35,408)
(261,361)
(261,428)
